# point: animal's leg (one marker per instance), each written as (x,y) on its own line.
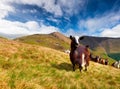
(73,67)
(80,68)
(85,67)
(118,66)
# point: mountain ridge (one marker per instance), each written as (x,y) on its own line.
(108,43)
(54,40)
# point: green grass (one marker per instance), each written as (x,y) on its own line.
(29,74)
(99,51)
(34,67)
(45,40)
(115,56)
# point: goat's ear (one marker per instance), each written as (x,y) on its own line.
(81,38)
(71,37)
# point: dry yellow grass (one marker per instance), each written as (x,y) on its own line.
(24,66)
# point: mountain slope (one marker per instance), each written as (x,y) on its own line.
(111,45)
(24,66)
(103,46)
(61,37)
(54,40)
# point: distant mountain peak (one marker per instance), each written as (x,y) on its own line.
(60,36)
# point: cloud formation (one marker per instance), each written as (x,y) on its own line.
(113,32)
(97,23)
(94,26)
(56,7)
(77,17)
(30,27)
(5,8)
(74,33)
(71,7)
(24,28)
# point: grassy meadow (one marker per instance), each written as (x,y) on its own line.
(24,66)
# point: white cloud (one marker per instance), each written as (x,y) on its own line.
(56,7)
(48,5)
(8,27)
(30,27)
(98,23)
(114,32)
(5,8)
(74,33)
(72,6)
(68,7)
(70,32)
(48,29)
(33,11)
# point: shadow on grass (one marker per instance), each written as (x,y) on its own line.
(63,66)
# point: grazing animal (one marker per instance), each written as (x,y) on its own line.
(79,55)
(106,61)
(116,64)
(99,60)
(96,59)
(103,61)
(67,51)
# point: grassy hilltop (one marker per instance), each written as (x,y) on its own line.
(24,66)
(54,40)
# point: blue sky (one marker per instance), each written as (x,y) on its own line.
(70,17)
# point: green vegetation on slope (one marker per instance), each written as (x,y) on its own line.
(100,51)
(103,46)
(24,66)
(47,40)
(110,45)
(115,56)
(100,46)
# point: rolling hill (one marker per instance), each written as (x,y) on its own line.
(54,40)
(111,45)
(102,46)
(25,66)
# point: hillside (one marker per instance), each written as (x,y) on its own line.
(61,37)
(111,45)
(54,40)
(24,66)
(103,46)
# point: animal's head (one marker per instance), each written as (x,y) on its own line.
(75,40)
